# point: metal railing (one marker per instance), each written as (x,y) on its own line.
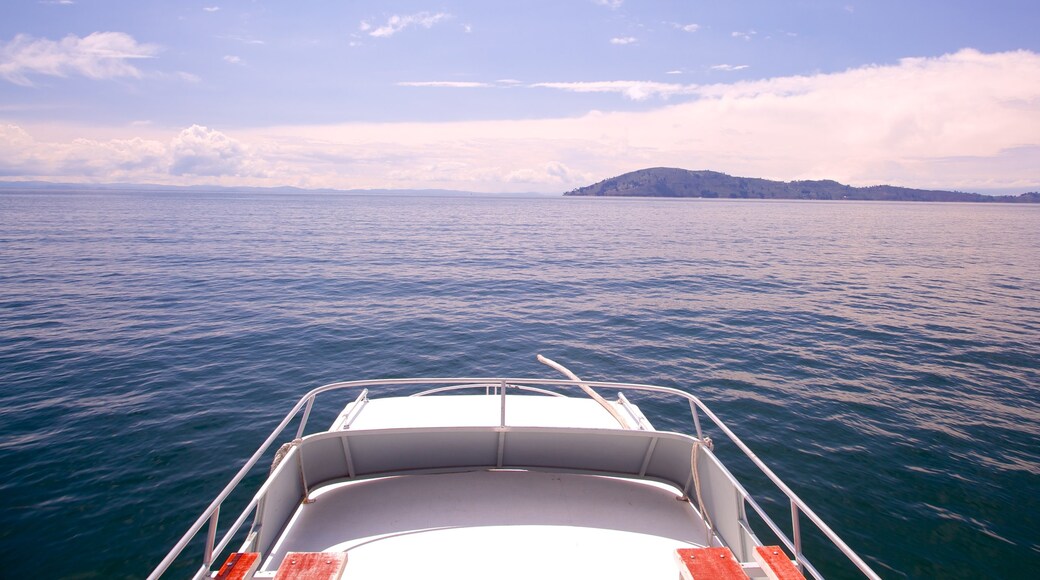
(499,387)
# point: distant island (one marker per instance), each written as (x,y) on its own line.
(670,182)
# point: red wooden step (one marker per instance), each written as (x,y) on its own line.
(239,566)
(312,566)
(709,564)
(776,564)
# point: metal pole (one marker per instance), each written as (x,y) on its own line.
(306,414)
(502,411)
(211,537)
(588,390)
(796,532)
(696,421)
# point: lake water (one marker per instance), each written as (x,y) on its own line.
(883,358)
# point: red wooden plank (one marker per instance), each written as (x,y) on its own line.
(709,564)
(239,566)
(776,564)
(312,566)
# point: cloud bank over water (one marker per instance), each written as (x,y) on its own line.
(967,120)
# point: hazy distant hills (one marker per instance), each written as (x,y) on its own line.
(41,186)
(668,182)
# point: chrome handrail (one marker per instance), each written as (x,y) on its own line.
(211,514)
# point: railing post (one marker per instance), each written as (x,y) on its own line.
(303,471)
(696,421)
(306,414)
(502,412)
(211,537)
(796,532)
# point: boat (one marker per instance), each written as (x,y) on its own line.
(501,478)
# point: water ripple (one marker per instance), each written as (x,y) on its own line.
(883,358)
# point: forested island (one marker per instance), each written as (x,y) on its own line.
(670,182)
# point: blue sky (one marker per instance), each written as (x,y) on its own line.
(519,96)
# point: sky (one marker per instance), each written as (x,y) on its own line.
(520,96)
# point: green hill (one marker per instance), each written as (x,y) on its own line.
(670,182)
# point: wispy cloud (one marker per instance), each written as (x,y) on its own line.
(101,55)
(612,4)
(232,59)
(745,35)
(57,2)
(729,67)
(187,77)
(634,90)
(210,8)
(687,27)
(445,84)
(623,40)
(242,39)
(397,23)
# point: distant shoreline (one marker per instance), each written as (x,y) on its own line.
(660,183)
(667,182)
(45,186)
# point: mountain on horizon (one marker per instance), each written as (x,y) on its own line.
(672,182)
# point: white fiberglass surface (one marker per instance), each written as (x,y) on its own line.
(498,523)
(482,411)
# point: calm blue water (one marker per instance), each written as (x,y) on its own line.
(884,358)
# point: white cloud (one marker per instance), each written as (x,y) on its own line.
(744,35)
(101,55)
(210,8)
(612,4)
(232,59)
(967,120)
(199,150)
(729,67)
(623,40)
(57,2)
(397,23)
(18,153)
(688,27)
(79,159)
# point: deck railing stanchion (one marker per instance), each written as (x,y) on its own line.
(211,537)
(306,414)
(502,412)
(696,421)
(796,533)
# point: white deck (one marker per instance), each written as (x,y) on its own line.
(496,524)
